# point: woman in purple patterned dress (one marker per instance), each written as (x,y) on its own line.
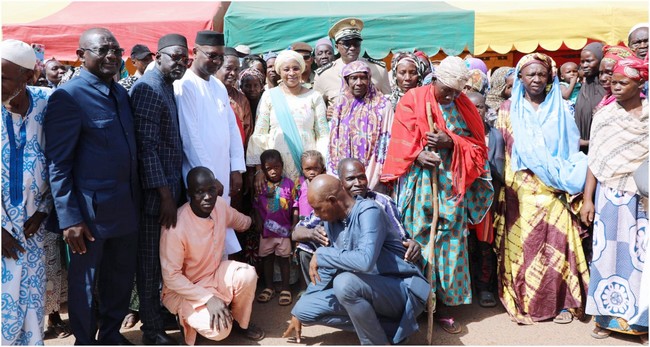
(360,125)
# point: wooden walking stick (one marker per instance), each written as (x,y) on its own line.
(431,304)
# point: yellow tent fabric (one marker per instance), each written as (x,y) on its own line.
(23,12)
(504,26)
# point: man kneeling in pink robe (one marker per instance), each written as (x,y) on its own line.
(206,291)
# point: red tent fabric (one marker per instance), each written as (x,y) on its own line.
(130,22)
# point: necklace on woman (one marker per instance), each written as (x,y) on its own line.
(291,91)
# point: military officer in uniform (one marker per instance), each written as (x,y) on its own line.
(306,51)
(346,33)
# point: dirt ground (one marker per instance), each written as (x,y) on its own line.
(481,327)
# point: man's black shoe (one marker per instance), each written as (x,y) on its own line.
(160,338)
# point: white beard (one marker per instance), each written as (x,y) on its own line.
(5,103)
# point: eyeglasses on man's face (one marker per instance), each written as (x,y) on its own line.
(104,50)
(350,43)
(216,57)
(181,59)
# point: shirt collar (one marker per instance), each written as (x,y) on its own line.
(159,75)
(155,72)
(50,84)
(347,218)
(100,85)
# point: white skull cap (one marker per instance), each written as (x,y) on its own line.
(19,53)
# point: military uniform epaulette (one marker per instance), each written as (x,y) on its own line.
(378,62)
(322,69)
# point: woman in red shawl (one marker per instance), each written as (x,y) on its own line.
(465,190)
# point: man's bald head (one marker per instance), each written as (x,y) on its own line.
(323,186)
(100,53)
(197,175)
(352,174)
(89,36)
(328,198)
(348,164)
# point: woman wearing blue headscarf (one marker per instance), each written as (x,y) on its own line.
(542,268)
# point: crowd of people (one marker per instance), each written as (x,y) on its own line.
(167,195)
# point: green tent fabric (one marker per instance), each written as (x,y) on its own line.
(388,26)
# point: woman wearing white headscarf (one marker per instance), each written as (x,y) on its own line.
(456,159)
(290,118)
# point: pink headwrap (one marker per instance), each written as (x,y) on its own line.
(354,67)
(421,55)
(633,68)
(252,72)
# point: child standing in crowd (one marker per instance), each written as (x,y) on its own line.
(493,139)
(482,257)
(313,164)
(275,217)
(569,81)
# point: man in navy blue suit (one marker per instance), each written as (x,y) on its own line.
(160,155)
(92,159)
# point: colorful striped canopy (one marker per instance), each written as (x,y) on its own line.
(451,26)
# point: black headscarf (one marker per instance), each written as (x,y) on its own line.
(591,93)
